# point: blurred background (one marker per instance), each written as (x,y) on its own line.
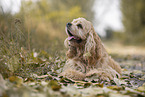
(39,25)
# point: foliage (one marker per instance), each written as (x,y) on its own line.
(85,5)
(134,20)
(45,21)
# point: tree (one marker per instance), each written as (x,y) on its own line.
(85,5)
(134,20)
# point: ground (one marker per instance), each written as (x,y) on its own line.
(43,81)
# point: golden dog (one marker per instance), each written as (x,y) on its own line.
(86,55)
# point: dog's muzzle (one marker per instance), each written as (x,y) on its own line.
(70,34)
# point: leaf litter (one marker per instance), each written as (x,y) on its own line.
(39,78)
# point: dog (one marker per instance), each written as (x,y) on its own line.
(87,55)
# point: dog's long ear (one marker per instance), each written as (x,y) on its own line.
(93,47)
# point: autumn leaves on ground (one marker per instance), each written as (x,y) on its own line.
(32,53)
(38,76)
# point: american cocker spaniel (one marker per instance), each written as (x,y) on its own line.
(87,55)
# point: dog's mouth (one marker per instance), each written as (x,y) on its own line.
(73,37)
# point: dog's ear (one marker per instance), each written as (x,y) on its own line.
(93,47)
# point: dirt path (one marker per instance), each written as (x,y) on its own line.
(117,48)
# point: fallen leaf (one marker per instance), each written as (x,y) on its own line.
(16,80)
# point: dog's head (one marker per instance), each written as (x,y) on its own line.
(78,30)
(81,33)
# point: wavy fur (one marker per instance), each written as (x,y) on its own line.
(89,57)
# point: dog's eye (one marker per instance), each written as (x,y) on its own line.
(79,26)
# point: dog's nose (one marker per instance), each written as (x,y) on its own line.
(68,24)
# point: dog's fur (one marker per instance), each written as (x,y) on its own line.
(87,55)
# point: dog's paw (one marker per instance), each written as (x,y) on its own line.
(73,74)
(105,77)
(99,74)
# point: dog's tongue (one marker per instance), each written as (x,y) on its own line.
(71,37)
